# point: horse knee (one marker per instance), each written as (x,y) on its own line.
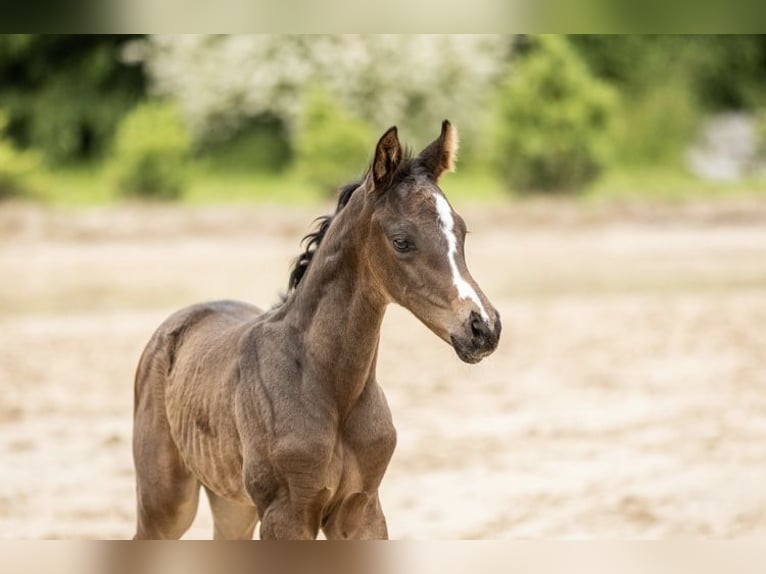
(296,516)
(358,517)
(283,522)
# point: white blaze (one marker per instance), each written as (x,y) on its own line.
(464,289)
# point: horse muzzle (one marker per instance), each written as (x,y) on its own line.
(478,340)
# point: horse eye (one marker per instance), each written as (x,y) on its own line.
(401,245)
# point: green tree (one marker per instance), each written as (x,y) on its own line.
(726,72)
(669,83)
(411,80)
(151,150)
(65,94)
(554,120)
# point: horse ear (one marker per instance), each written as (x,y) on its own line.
(439,156)
(388,155)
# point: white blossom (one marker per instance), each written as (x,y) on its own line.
(413,81)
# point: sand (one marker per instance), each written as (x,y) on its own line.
(627,398)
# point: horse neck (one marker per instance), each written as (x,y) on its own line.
(339,312)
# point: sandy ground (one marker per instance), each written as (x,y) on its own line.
(627,397)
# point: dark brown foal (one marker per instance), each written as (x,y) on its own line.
(278,414)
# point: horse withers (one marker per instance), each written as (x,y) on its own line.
(278,414)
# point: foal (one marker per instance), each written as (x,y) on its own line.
(278,414)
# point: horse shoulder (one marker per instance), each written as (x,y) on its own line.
(287,443)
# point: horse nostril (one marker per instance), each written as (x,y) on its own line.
(477,327)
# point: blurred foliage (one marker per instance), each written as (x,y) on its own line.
(332,146)
(659,126)
(65,94)
(668,84)
(151,150)
(554,120)
(415,81)
(725,72)
(760,133)
(253,106)
(262,144)
(16,167)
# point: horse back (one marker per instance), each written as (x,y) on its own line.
(162,351)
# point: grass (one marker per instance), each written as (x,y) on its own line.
(88,184)
(289,188)
(245,187)
(479,186)
(665,184)
(79,184)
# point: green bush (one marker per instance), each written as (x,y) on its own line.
(151,150)
(16,167)
(656,127)
(332,147)
(65,93)
(554,120)
(260,145)
(724,71)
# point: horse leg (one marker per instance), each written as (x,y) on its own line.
(358,517)
(166,490)
(232,520)
(291,500)
(292,520)
(295,512)
(373,525)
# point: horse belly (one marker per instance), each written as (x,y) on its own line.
(218,465)
(200,389)
(206,436)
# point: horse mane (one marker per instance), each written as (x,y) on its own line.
(314,239)
(408,167)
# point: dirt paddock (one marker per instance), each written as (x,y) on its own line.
(627,397)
